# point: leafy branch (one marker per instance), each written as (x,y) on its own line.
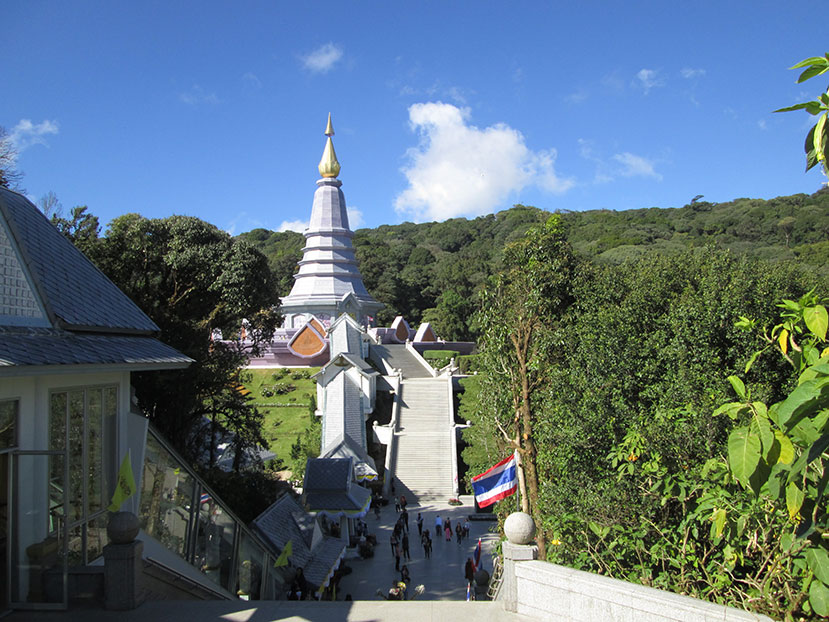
(817,140)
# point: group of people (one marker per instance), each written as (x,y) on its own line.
(444,528)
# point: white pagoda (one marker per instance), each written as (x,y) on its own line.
(328,282)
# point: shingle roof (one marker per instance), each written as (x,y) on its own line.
(34,346)
(93,322)
(328,489)
(76,294)
(284,520)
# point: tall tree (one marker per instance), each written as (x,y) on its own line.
(191,278)
(519,317)
(9,175)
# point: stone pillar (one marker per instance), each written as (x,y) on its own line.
(123,563)
(520,530)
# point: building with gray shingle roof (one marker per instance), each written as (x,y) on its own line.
(58,309)
(69,340)
(317,554)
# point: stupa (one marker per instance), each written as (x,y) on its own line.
(328,282)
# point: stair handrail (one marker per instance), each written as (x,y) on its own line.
(497,578)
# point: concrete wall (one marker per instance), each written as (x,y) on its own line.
(550,592)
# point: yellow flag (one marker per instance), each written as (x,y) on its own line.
(125,486)
(287,551)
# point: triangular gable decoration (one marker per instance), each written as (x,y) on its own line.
(307,342)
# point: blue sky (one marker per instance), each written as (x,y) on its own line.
(441,109)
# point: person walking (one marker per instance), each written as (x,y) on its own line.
(405,516)
(419,524)
(438,527)
(458,532)
(426,542)
(469,574)
(405,541)
(393,540)
(397,556)
(448,532)
(466,529)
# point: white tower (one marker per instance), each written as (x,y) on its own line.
(328,282)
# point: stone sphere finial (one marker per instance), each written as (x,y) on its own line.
(519,528)
(123,527)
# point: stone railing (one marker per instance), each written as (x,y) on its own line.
(550,592)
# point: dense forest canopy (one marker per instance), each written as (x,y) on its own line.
(433,271)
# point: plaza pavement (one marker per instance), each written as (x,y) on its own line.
(442,574)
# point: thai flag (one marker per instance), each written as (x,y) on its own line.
(205,497)
(477,557)
(497,483)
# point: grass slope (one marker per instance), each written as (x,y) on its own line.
(286,415)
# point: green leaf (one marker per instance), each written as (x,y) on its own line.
(719,521)
(786,448)
(752,360)
(811,72)
(802,106)
(819,598)
(817,140)
(813,60)
(817,320)
(739,387)
(732,409)
(818,560)
(743,454)
(800,401)
(809,147)
(762,428)
(794,500)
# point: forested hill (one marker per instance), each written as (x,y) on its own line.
(431,270)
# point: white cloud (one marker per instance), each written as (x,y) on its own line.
(635,166)
(648,79)
(197,95)
(576,97)
(461,170)
(623,164)
(293,225)
(762,124)
(25,133)
(323,58)
(355,218)
(251,81)
(689,73)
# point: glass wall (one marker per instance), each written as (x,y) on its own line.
(178,510)
(82,423)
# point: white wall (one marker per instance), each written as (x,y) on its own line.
(551,592)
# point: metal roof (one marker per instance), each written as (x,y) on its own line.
(76,294)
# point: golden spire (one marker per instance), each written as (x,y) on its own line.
(328,166)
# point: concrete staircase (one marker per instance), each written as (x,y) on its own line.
(424,450)
(389,357)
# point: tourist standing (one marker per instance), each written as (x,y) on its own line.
(458,532)
(426,541)
(405,541)
(419,524)
(469,574)
(396,556)
(448,532)
(393,540)
(466,529)
(438,527)
(405,516)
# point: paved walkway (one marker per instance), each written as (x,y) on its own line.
(442,574)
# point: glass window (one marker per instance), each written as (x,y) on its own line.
(82,422)
(8,424)
(166,497)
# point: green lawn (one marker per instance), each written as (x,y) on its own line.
(286,415)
